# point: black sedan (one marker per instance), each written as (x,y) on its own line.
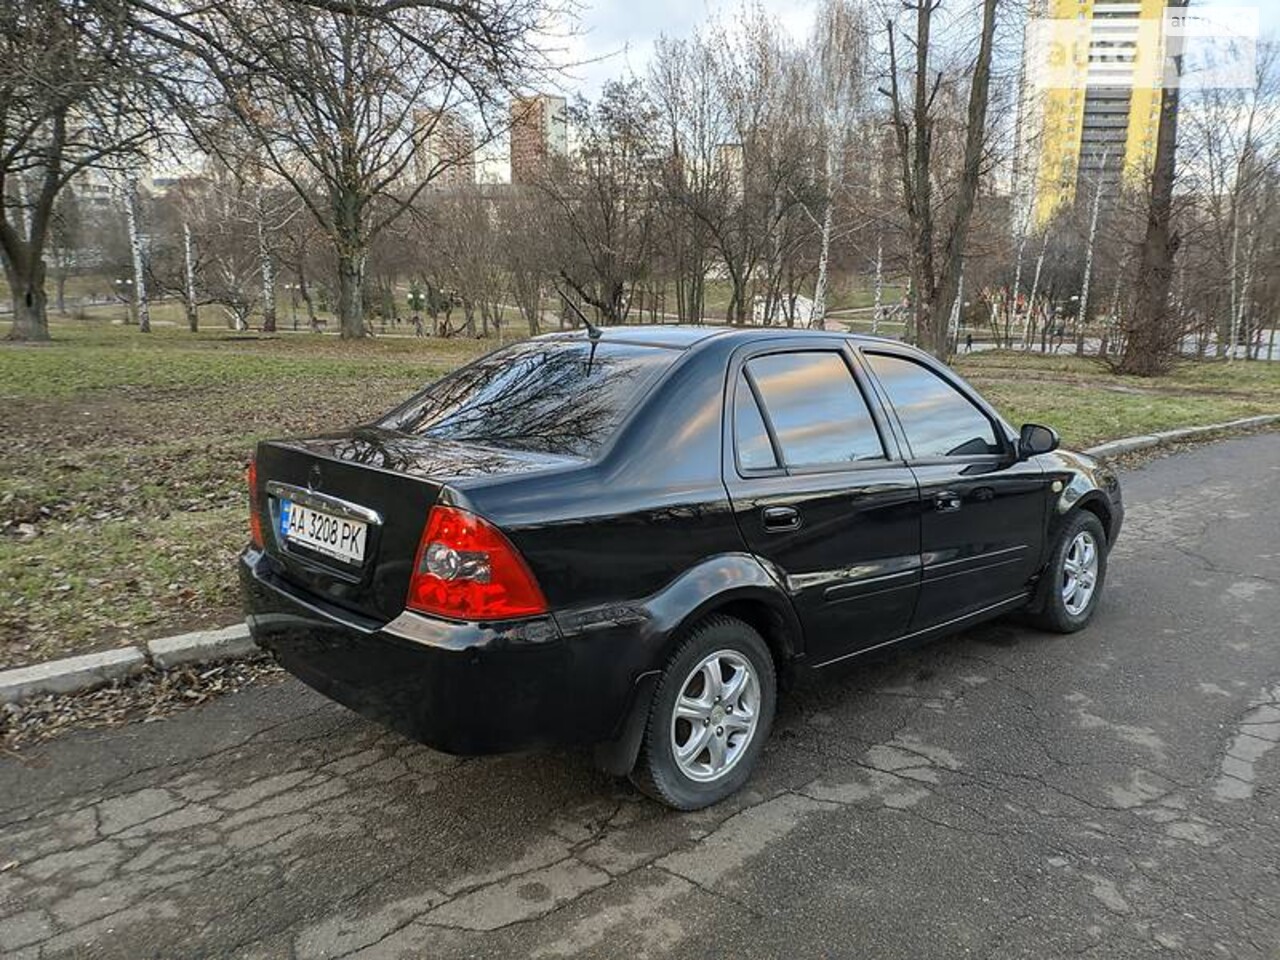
(625,539)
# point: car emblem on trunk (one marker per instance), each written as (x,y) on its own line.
(313,477)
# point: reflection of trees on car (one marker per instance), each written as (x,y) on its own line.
(534,396)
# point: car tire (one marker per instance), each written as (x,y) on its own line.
(704,734)
(1072,583)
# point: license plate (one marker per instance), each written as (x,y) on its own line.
(316,530)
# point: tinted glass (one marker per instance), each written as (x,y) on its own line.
(817,411)
(548,396)
(755,452)
(939,420)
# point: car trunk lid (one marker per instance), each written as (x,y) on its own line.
(342,514)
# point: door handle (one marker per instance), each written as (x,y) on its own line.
(947,502)
(780,519)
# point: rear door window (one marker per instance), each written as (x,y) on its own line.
(817,412)
(938,419)
(755,449)
(547,396)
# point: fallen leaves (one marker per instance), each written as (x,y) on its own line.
(148,697)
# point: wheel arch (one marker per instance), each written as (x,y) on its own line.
(1098,506)
(763,616)
(735,585)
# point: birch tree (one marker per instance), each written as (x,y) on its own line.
(1232,139)
(133,224)
(190,297)
(837,67)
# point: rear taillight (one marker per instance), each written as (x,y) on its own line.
(467,570)
(255,518)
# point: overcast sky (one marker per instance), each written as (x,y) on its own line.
(623,31)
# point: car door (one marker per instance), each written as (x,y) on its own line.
(982,509)
(822,496)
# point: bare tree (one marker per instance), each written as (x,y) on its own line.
(1152,332)
(837,68)
(462,255)
(349,98)
(133,223)
(603,194)
(1231,142)
(693,188)
(525,226)
(71,97)
(66,239)
(938,234)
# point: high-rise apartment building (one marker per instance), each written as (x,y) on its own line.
(1090,101)
(539,131)
(448,152)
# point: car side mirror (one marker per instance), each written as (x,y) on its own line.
(1034,439)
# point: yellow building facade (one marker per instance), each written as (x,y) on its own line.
(1090,105)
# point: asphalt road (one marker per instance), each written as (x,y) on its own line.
(1002,794)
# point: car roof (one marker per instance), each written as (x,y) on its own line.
(684,337)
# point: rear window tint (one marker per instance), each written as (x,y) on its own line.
(816,409)
(755,450)
(546,396)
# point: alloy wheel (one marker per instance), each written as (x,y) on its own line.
(1080,573)
(715,716)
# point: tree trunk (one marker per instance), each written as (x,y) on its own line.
(30,317)
(1027,329)
(1082,315)
(305,292)
(818,320)
(935,289)
(879,301)
(949,281)
(351,295)
(1012,309)
(141,304)
(1151,336)
(193,312)
(268,269)
(953,321)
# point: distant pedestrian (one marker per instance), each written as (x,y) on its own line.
(418,330)
(968,343)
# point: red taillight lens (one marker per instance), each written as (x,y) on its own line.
(255,518)
(467,570)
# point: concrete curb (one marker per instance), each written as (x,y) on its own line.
(1116,448)
(203,646)
(71,674)
(77,674)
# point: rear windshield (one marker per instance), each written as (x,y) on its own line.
(547,396)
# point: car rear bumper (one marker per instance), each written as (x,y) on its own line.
(463,688)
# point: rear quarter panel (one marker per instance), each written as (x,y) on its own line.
(651,507)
